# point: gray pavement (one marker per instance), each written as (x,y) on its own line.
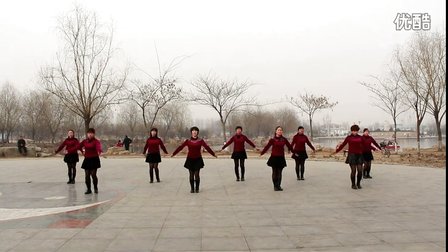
(400,209)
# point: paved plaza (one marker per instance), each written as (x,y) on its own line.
(401,209)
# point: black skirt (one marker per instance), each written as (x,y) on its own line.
(194,164)
(277,162)
(91,163)
(239,155)
(367,156)
(354,159)
(71,158)
(153,158)
(302,155)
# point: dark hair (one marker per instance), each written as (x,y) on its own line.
(300,127)
(276,128)
(365,129)
(154,129)
(194,128)
(91,130)
(239,127)
(71,131)
(354,128)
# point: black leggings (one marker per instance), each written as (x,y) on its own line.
(300,167)
(194,177)
(356,168)
(154,167)
(277,176)
(91,173)
(239,162)
(71,167)
(367,167)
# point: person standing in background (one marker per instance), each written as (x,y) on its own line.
(91,149)
(367,153)
(239,152)
(355,155)
(298,143)
(126,142)
(152,152)
(71,154)
(21,145)
(194,162)
(277,159)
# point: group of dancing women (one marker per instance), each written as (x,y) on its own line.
(359,155)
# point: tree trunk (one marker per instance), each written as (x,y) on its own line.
(418,137)
(439,130)
(144,118)
(87,121)
(223,125)
(311,127)
(395,130)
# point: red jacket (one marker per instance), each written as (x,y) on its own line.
(194,148)
(278,146)
(298,143)
(238,141)
(90,147)
(355,144)
(70,144)
(368,141)
(153,146)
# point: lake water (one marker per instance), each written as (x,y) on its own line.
(425,142)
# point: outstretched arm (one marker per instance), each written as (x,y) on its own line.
(227,143)
(376,144)
(266,148)
(146,147)
(249,142)
(288,145)
(179,148)
(309,144)
(341,145)
(162,146)
(60,147)
(209,150)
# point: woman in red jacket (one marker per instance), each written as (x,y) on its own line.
(277,159)
(367,154)
(298,144)
(152,152)
(71,154)
(239,152)
(194,162)
(354,158)
(91,149)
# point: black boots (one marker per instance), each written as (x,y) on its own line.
(277,183)
(197,185)
(71,175)
(192,184)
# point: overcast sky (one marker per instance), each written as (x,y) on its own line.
(285,47)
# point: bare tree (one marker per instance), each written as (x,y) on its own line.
(310,104)
(83,78)
(287,118)
(154,94)
(33,113)
(411,82)
(173,118)
(431,57)
(10,110)
(225,97)
(388,96)
(53,115)
(129,117)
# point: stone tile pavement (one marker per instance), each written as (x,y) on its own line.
(400,209)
